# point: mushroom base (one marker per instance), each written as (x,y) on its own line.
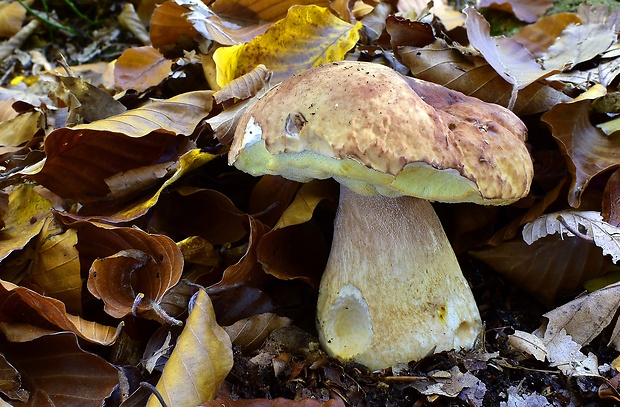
(393,290)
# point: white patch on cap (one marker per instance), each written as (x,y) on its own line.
(253,133)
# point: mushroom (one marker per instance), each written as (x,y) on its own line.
(392,291)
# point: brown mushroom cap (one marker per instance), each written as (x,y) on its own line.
(376,131)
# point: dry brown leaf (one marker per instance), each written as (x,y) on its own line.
(21,305)
(12,16)
(542,34)
(20,129)
(140,68)
(270,198)
(587,150)
(252,10)
(200,360)
(611,200)
(473,76)
(278,402)
(221,29)
(244,87)
(511,60)
(525,10)
(80,159)
(168,26)
(250,333)
(69,377)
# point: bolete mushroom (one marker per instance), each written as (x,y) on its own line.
(392,291)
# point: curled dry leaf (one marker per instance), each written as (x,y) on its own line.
(244,87)
(252,10)
(524,10)
(611,200)
(322,36)
(511,60)
(588,225)
(95,104)
(587,150)
(80,159)
(199,362)
(70,376)
(473,76)
(22,305)
(250,333)
(129,263)
(221,29)
(169,25)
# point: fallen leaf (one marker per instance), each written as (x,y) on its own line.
(525,10)
(79,159)
(511,60)
(12,16)
(450,386)
(515,399)
(588,151)
(140,68)
(168,25)
(221,29)
(528,343)
(244,87)
(69,377)
(19,304)
(577,44)
(278,402)
(543,33)
(473,76)
(24,218)
(95,104)
(199,362)
(611,200)
(250,333)
(20,129)
(315,30)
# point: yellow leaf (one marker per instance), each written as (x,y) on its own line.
(24,219)
(309,36)
(199,362)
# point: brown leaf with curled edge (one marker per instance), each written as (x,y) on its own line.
(250,333)
(169,25)
(10,382)
(270,198)
(200,212)
(95,103)
(199,362)
(542,34)
(408,33)
(587,150)
(56,371)
(18,130)
(56,266)
(247,270)
(297,248)
(279,402)
(252,10)
(611,200)
(140,68)
(125,263)
(24,218)
(80,159)
(244,87)
(219,28)
(524,10)
(473,76)
(511,60)
(550,268)
(22,305)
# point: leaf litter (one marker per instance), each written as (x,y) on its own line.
(121,224)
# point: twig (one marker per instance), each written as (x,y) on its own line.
(16,41)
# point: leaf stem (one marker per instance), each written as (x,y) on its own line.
(155,392)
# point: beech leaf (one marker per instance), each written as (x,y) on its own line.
(307,37)
(140,68)
(510,59)
(588,150)
(577,44)
(524,10)
(588,225)
(199,362)
(250,333)
(253,10)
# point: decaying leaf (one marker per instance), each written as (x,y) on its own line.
(525,10)
(450,384)
(588,151)
(141,68)
(70,376)
(511,60)
(23,220)
(223,30)
(278,402)
(317,35)
(588,225)
(250,333)
(201,359)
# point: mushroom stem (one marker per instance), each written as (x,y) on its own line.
(393,290)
